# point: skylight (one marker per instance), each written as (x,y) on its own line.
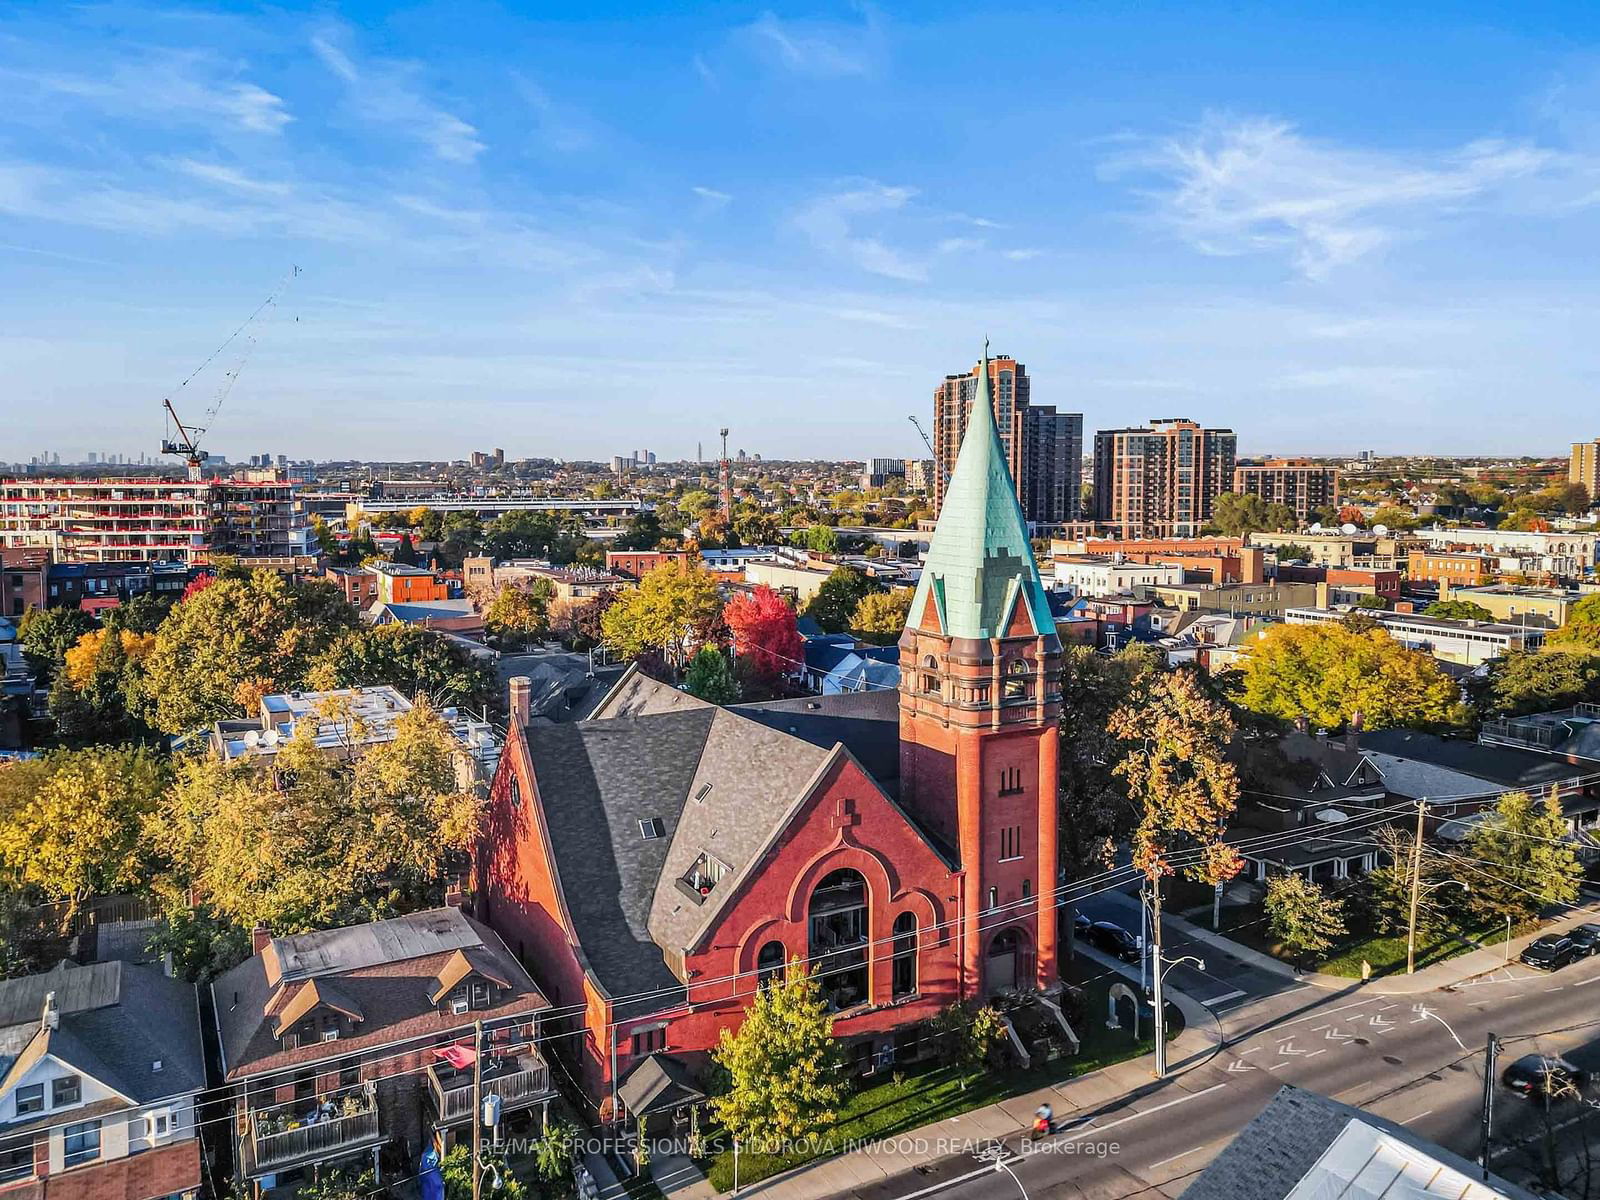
(651,828)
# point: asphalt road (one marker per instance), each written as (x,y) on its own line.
(1416,1060)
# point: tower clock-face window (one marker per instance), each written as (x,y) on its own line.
(930,675)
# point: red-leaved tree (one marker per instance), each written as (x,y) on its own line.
(764,632)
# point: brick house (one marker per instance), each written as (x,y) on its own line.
(332,1042)
(658,860)
(100,1067)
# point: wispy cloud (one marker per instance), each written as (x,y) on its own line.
(831,221)
(1020,254)
(225,176)
(819,48)
(559,125)
(387,92)
(1246,186)
(712,197)
(161,86)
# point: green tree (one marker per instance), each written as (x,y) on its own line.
(405,552)
(327,540)
(323,833)
(555,1150)
(46,634)
(785,1076)
(819,539)
(460,534)
(753,526)
(665,613)
(1306,919)
(881,616)
(456,1170)
(711,677)
(142,614)
(98,694)
(1458,610)
(837,599)
(70,821)
(642,533)
(1377,603)
(1582,630)
(1388,887)
(236,641)
(415,660)
(1288,551)
(1528,681)
(1524,861)
(1236,514)
(203,944)
(1328,673)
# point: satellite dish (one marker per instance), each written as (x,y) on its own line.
(1347,528)
(1316,527)
(1380,530)
(270,738)
(252,739)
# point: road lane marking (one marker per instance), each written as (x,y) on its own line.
(1233,995)
(1275,1066)
(1317,1016)
(1176,1157)
(1586,982)
(1314,1053)
(1417,1116)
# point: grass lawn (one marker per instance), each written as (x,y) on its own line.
(918,1097)
(1386,952)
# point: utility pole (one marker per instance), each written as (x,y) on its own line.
(1156,974)
(1416,891)
(1490,1058)
(477,1109)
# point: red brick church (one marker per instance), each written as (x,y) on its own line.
(653,863)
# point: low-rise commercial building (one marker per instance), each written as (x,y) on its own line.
(1469,643)
(1238,599)
(1094,575)
(1518,604)
(1451,568)
(635,563)
(1563,553)
(1383,552)
(1346,585)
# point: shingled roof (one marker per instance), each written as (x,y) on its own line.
(635,795)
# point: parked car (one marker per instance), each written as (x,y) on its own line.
(1080,925)
(1114,940)
(1540,1075)
(1586,938)
(1550,952)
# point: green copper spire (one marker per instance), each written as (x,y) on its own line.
(980,566)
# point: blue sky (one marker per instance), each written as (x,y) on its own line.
(583,230)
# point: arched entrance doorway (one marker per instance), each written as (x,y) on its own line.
(1006,968)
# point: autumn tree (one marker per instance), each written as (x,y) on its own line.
(881,616)
(46,634)
(819,539)
(70,821)
(520,615)
(1302,915)
(414,660)
(1095,813)
(1175,766)
(1395,518)
(764,631)
(1235,514)
(99,691)
(236,641)
(837,599)
(1582,629)
(668,612)
(1523,860)
(321,833)
(785,1075)
(1328,673)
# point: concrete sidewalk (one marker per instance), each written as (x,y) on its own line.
(943,1151)
(1431,978)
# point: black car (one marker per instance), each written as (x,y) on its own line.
(1550,952)
(1114,940)
(1539,1075)
(1586,938)
(1080,925)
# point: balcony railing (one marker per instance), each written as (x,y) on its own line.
(516,1080)
(302,1132)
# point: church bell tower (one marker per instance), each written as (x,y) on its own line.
(980,698)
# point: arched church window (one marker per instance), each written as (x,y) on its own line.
(838,938)
(905,955)
(1018,683)
(769,963)
(930,675)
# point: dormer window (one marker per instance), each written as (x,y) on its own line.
(65,1090)
(30,1099)
(704,873)
(478,995)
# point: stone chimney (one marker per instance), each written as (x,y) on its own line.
(51,1017)
(521,700)
(260,939)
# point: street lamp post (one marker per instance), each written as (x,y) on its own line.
(1158,975)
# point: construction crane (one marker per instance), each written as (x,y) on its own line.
(186,439)
(928,442)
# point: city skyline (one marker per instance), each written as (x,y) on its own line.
(724,212)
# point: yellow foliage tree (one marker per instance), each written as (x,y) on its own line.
(83,658)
